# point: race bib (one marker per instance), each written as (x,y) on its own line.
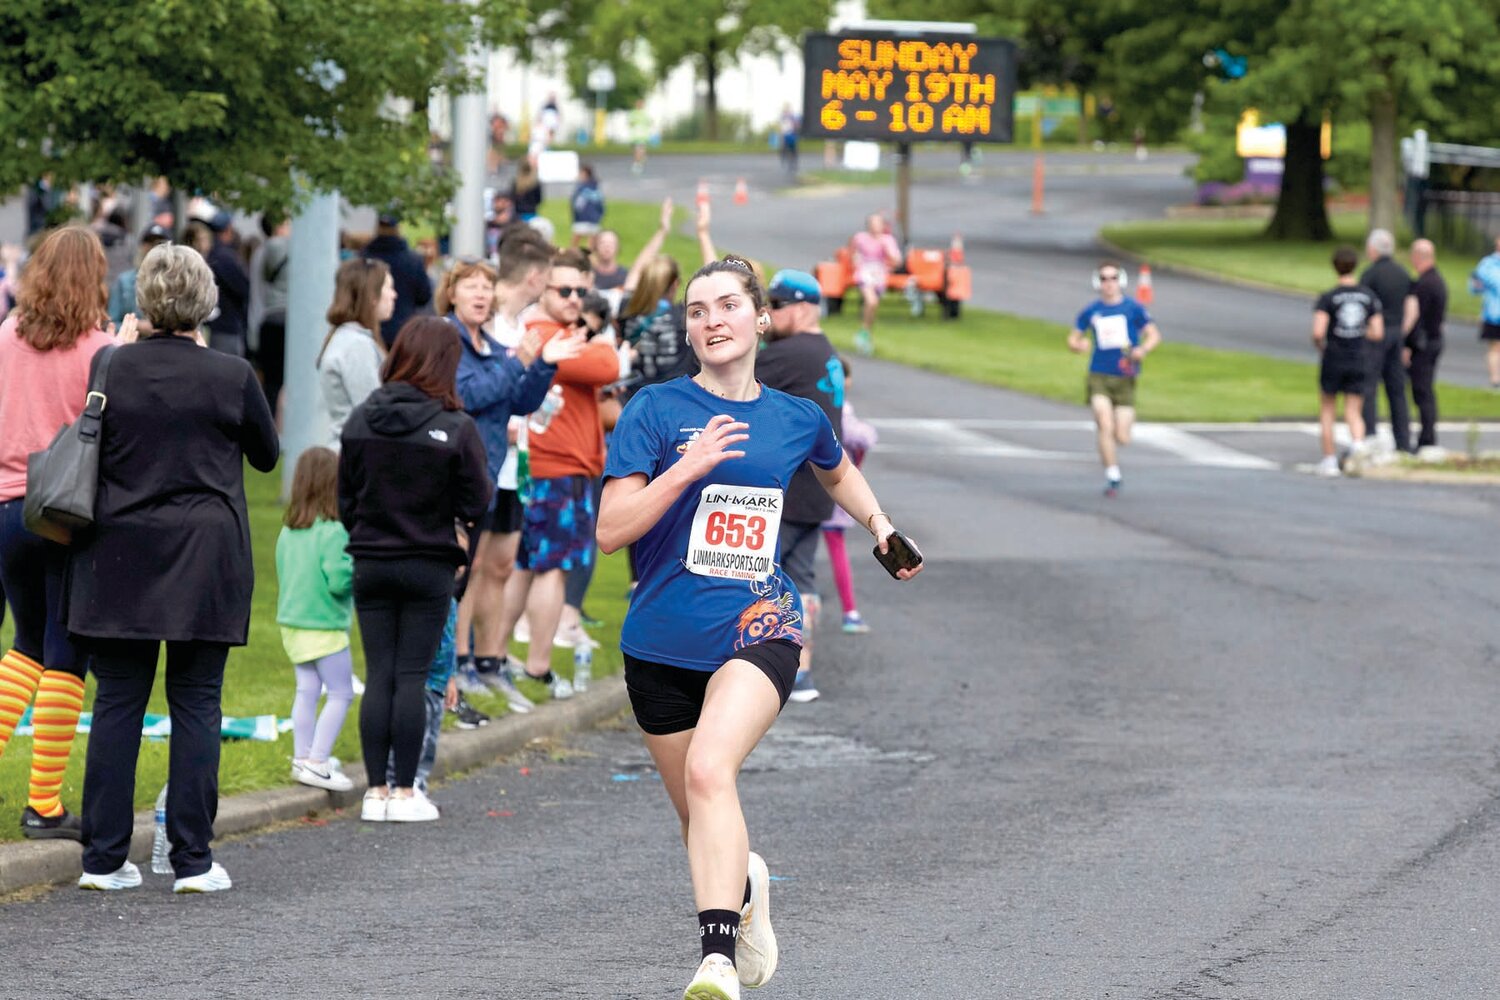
(1111,333)
(735,531)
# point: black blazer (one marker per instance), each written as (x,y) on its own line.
(169,555)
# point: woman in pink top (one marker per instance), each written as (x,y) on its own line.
(46,348)
(875,252)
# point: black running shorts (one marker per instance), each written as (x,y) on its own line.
(505,516)
(1342,373)
(668,699)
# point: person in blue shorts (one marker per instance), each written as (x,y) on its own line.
(1121,333)
(696,479)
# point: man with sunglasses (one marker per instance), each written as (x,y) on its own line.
(799,360)
(566,455)
(1121,333)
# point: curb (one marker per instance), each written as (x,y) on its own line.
(28,864)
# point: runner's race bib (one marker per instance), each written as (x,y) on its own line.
(735,532)
(1112,333)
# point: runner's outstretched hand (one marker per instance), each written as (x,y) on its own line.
(713,446)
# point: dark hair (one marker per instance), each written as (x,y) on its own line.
(425,355)
(271,220)
(572,257)
(356,298)
(597,305)
(1108,263)
(520,253)
(740,268)
(587,169)
(1345,260)
(314,489)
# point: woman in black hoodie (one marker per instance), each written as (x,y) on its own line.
(411,467)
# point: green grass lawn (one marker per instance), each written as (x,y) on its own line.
(1235,248)
(1181,382)
(259,681)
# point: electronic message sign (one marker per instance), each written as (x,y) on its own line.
(928,87)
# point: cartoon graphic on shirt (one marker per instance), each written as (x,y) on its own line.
(773,615)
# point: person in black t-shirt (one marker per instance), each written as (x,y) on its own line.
(798,359)
(1345,317)
(1391,284)
(1423,325)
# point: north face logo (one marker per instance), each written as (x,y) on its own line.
(438,435)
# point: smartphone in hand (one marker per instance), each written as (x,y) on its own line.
(900,554)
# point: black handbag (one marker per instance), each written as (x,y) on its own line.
(63,480)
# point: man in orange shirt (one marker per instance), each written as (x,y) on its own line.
(566,453)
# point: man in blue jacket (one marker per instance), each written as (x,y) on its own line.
(588,205)
(413,287)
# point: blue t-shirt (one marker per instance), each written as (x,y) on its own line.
(1113,329)
(684,618)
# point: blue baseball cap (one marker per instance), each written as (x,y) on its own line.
(788,285)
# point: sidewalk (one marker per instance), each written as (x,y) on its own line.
(35,863)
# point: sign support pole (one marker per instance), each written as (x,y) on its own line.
(903,192)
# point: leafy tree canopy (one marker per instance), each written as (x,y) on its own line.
(232,97)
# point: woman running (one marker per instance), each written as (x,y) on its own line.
(695,479)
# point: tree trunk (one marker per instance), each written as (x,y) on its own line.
(711,99)
(1383,208)
(1300,212)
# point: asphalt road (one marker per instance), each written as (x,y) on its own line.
(1025,264)
(1230,735)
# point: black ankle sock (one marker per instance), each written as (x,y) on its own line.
(717,930)
(747,892)
(544,678)
(487,664)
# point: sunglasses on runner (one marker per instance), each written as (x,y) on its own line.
(780,303)
(1110,276)
(566,291)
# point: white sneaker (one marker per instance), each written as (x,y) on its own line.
(216,879)
(522,632)
(373,809)
(716,980)
(321,776)
(418,808)
(1329,467)
(561,688)
(755,952)
(128,877)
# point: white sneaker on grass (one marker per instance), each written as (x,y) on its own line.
(755,951)
(216,879)
(716,980)
(500,682)
(128,877)
(321,775)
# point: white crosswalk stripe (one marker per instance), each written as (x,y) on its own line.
(982,438)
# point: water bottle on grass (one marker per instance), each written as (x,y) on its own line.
(160,849)
(583,665)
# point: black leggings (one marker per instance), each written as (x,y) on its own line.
(402,606)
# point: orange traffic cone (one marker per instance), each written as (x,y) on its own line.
(956,249)
(702,193)
(741,192)
(1144,293)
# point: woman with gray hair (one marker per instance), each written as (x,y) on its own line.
(168,561)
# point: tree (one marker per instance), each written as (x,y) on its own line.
(234,97)
(709,34)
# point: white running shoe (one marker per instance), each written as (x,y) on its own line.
(128,877)
(1329,467)
(321,776)
(716,980)
(418,808)
(755,952)
(373,809)
(216,879)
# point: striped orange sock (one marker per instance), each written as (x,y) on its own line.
(54,721)
(19,675)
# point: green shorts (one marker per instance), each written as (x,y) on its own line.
(1119,389)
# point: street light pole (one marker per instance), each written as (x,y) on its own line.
(314,251)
